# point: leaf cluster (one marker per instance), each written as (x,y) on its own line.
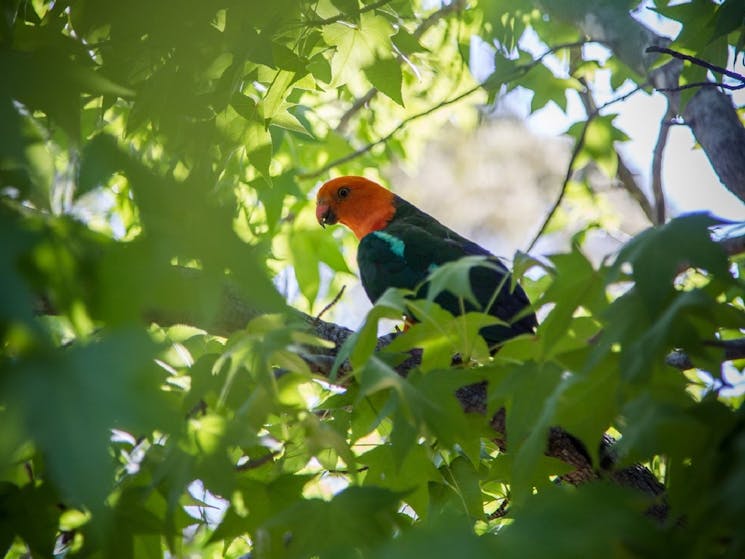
(152,153)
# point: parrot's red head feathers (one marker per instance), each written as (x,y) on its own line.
(359,203)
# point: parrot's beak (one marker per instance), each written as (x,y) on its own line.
(325,215)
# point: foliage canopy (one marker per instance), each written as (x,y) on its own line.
(154,152)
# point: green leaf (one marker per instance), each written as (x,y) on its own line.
(410,476)
(444,535)
(27,73)
(100,159)
(528,392)
(385,75)
(583,522)
(30,512)
(346,6)
(505,70)
(658,254)
(547,87)
(360,345)
(356,47)
(305,264)
(465,479)
(259,147)
(456,278)
(444,415)
(357,518)
(289,121)
(654,425)
(320,68)
(25,160)
(587,404)
(575,284)
(599,143)
(275,96)
(729,17)
(407,43)
(70,402)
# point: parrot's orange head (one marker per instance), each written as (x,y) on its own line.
(359,203)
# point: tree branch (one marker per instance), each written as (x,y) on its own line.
(733,245)
(704,64)
(444,10)
(700,84)
(659,149)
(354,109)
(629,183)
(733,350)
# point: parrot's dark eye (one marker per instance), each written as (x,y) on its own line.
(343,192)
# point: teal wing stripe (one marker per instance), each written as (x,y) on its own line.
(396,244)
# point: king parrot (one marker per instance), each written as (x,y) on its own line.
(400,245)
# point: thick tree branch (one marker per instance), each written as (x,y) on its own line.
(718,129)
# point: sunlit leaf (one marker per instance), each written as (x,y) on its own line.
(385,74)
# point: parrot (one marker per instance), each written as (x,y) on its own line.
(400,245)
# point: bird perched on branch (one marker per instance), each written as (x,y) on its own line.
(400,246)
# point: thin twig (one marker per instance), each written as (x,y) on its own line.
(331,304)
(341,16)
(702,84)
(436,16)
(659,149)
(572,160)
(256,462)
(520,70)
(364,149)
(567,177)
(356,106)
(629,183)
(501,511)
(698,62)
(704,64)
